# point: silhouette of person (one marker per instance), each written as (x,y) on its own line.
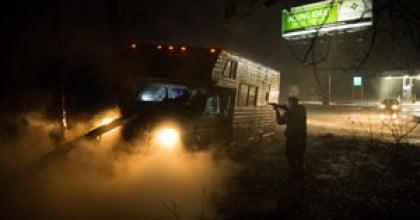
(294,116)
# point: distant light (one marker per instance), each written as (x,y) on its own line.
(388,78)
(171,48)
(406,76)
(159,47)
(133,46)
(418,77)
(394,116)
(183,48)
(212,50)
(357,81)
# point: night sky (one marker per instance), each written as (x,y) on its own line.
(41,40)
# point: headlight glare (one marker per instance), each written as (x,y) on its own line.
(168,137)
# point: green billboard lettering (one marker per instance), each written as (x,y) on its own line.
(326,16)
(305,17)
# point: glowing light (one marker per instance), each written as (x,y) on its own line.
(106,120)
(388,78)
(183,48)
(382,106)
(395,107)
(212,50)
(147,97)
(133,46)
(418,77)
(159,47)
(171,48)
(106,117)
(382,117)
(168,137)
(394,116)
(406,76)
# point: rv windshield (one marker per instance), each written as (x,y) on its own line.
(158,92)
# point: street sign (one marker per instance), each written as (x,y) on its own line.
(357,81)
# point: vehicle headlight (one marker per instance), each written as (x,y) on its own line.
(382,106)
(395,107)
(167,137)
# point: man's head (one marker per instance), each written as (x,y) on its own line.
(292,101)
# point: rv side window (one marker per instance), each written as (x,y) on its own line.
(229,70)
(267,94)
(247,95)
(212,105)
(243,95)
(233,69)
(252,95)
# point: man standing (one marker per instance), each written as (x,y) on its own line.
(294,116)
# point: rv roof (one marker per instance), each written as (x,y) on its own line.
(171,62)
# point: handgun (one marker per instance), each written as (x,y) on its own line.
(275,105)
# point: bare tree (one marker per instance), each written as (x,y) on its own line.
(172,208)
(400,128)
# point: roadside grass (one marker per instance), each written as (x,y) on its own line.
(346,178)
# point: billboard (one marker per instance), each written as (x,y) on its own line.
(326,16)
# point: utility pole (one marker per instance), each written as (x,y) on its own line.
(62,72)
(329,88)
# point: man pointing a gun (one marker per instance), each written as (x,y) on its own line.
(294,116)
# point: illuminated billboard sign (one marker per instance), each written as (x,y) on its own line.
(326,16)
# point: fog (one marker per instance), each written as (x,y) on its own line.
(106,178)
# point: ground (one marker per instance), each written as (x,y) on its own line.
(345,179)
(352,172)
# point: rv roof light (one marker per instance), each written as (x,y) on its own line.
(159,47)
(212,50)
(183,48)
(133,46)
(171,48)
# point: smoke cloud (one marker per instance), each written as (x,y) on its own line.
(106,178)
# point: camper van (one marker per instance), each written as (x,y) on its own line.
(201,95)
